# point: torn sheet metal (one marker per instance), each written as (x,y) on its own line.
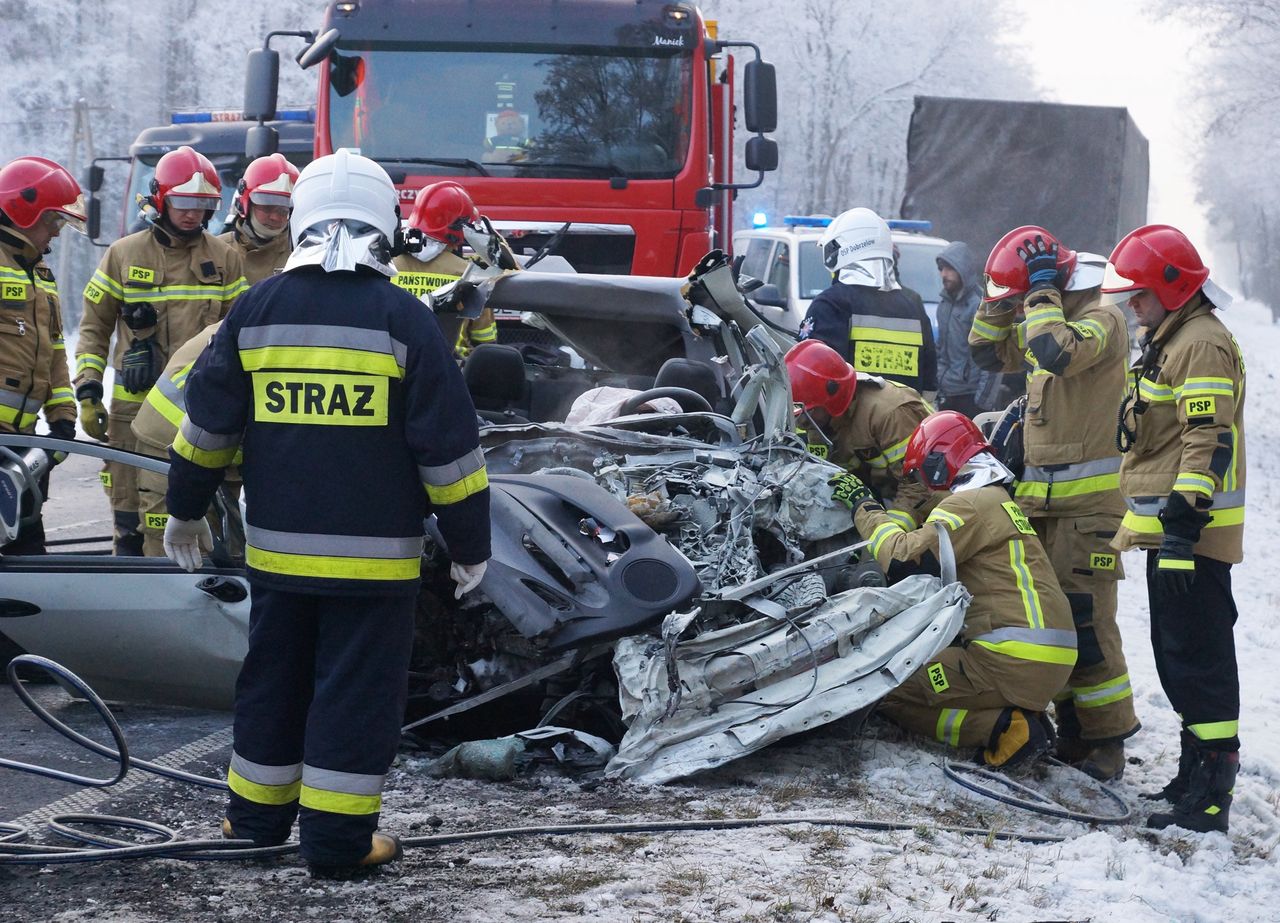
(749,685)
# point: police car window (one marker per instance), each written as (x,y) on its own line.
(918,268)
(780,269)
(814,276)
(756,261)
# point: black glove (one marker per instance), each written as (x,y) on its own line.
(89,391)
(849,490)
(140,367)
(1175,562)
(139,316)
(61,429)
(1042,262)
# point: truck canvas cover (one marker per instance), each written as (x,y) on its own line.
(978,168)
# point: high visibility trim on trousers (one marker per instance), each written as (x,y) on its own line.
(121,393)
(456,480)
(949,722)
(1113,690)
(1215,730)
(332,567)
(263,784)
(203,448)
(341,792)
(1043,645)
(382,354)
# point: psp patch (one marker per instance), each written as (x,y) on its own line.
(155,521)
(1102,561)
(938,678)
(13,291)
(320,399)
(141,274)
(1200,406)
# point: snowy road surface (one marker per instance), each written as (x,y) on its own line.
(794,873)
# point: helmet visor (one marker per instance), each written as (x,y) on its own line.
(273,199)
(993,290)
(72,216)
(184,202)
(1115,281)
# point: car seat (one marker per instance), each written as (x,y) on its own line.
(693,375)
(494,375)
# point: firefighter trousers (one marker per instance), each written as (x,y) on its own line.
(958,696)
(319,704)
(1193,639)
(120,481)
(1097,701)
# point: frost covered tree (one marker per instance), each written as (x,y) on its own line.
(847,74)
(1238,106)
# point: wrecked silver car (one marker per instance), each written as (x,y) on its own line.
(680,584)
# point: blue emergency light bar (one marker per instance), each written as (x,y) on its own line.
(235,115)
(821,221)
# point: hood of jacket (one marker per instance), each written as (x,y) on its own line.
(959,257)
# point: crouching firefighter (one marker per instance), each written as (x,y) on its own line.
(1078,350)
(1182,433)
(990,688)
(355,425)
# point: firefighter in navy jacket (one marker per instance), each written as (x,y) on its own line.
(344,399)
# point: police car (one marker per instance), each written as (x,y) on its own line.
(789,262)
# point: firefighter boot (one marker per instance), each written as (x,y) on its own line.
(1018,738)
(1207,804)
(1177,786)
(1104,761)
(386,848)
(229,834)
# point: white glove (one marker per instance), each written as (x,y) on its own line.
(183,540)
(467,577)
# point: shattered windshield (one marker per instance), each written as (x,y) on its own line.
(596,113)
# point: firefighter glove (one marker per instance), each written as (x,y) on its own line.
(139,316)
(1175,562)
(140,367)
(61,429)
(467,577)
(184,539)
(1041,260)
(93,415)
(849,490)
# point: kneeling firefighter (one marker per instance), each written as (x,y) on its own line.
(355,425)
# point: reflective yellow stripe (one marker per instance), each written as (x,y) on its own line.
(1194,483)
(948,519)
(60,396)
(1026,584)
(1215,730)
(881,335)
(1102,483)
(881,534)
(205,458)
(162,293)
(262,794)
(101,282)
(339,802)
(1150,391)
(460,489)
(949,722)
(989,331)
(17,418)
(1175,564)
(1090,329)
(1113,690)
(1027,650)
(486,334)
(161,404)
(120,393)
(332,567)
(90,361)
(902,518)
(323,358)
(1150,525)
(1040,317)
(896,452)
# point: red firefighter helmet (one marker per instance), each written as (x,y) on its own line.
(31,186)
(820,377)
(1005,275)
(940,446)
(186,179)
(440,210)
(1159,258)
(267,181)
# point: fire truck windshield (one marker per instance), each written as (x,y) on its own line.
(523,113)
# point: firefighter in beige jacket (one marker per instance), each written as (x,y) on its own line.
(1077,349)
(988,689)
(154,290)
(260,228)
(1183,478)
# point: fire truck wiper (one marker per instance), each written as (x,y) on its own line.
(473,165)
(600,169)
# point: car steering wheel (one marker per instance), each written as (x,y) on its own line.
(689,401)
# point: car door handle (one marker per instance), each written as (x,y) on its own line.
(223,589)
(17,608)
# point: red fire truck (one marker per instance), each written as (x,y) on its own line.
(614,117)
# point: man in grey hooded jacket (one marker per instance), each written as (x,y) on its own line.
(959,378)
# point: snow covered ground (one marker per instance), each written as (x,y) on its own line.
(926,873)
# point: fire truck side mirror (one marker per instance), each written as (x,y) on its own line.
(318,50)
(760,97)
(261,83)
(761,154)
(93,216)
(96,175)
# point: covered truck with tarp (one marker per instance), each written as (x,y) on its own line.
(977,168)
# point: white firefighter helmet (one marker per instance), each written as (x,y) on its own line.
(855,235)
(348,187)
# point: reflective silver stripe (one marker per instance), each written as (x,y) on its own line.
(263,774)
(333,546)
(951,725)
(1107,692)
(19,402)
(1073,472)
(1052,637)
(444,475)
(349,783)
(374,341)
(1151,506)
(205,440)
(904,324)
(170,390)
